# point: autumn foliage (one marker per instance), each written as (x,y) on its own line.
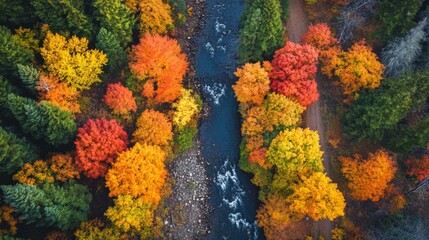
(253,83)
(153,128)
(293,72)
(356,69)
(186,107)
(159,62)
(72,61)
(319,36)
(154,17)
(418,167)
(120,99)
(7,218)
(139,172)
(59,93)
(98,144)
(368,178)
(274,217)
(63,168)
(34,174)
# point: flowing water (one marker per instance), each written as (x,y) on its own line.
(233,197)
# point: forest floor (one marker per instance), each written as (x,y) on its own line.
(297,26)
(188,209)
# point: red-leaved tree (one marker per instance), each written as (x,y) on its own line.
(98,144)
(120,99)
(418,168)
(293,72)
(319,36)
(159,62)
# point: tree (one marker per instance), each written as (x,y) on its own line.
(131,215)
(28,39)
(254,122)
(319,36)
(159,61)
(71,61)
(16,13)
(62,207)
(11,54)
(153,128)
(43,121)
(293,73)
(6,88)
(281,111)
(6,217)
(317,197)
(34,174)
(368,178)
(58,93)
(253,83)
(274,217)
(139,172)
(296,154)
(116,18)
(400,55)
(120,99)
(262,31)
(109,44)
(29,77)
(92,230)
(14,152)
(396,17)
(185,108)
(400,227)
(418,168)
(98,144)
(64,16)
(154,17)
(180,10)
(358,68)
(63,168)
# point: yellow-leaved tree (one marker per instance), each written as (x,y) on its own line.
(72,61)
(131,215)
(317,197)
(253,83)
(139,172)
(154,17)
(186,107)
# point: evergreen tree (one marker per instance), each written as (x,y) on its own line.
(5,89)
(29,77)
(109,44)
(116,18)
(11,53)
(179,9)
(16,13)
(14,152)
(396,17)
(262,31)
(64,16)
(62,207)
(44,121)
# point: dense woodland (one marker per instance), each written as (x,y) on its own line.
(93,105)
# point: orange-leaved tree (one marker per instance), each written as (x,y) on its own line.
(59,93)
(368,178)
(120,99)
(72,61)
(319,36)
(158,61)
(139,172)
(131,215)
(293,72)
(154,17)
(34,174)
(356,69)
(63,167)
(418,168)
(98,144)
(153,128)
(254,122)
(274,217)
(253,83)
(317,197)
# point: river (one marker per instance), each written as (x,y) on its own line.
(233,197)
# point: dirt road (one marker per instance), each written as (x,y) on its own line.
(296,27)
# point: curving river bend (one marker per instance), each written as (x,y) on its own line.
(233,197)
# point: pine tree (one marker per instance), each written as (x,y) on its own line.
(14,152)
(62,207)
(64,16)
(11,53)
(262,31)
(109,44)
(116,18)
(15,13)
(29,77)
(5,89)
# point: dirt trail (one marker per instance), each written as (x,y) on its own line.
(296,27)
